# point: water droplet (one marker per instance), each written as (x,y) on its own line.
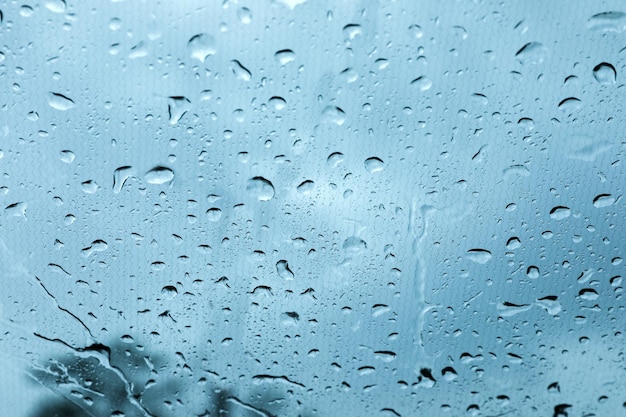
(480,256)
(603,200)
(560,212)
(532,53)
(60,102)
(349,75)
(354,244)
(423,83)
(67,156)
(285,56)
(607,22)
(159,175)
(260,188)
(334,159)
(168,292)
(550,304)
(532,272)
(334,114)
(282,267)
(244,15)
(240,71)
(55,6)
(588,294)
(513,243)
(449,373)
(605,73)
(570,104)
(177,106)
(16,210)
(306,187)
(201,46)
(214,214)
(120,175)
(385,355)
(352,30)
(89,187)
(374,164)
(278,103)
(508,309)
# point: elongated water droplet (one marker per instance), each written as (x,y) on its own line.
(282,267)
(240,71)
(481,256)
(60,102)
(607,22)
(422,83)
(532,53)
(603,200)
(560,212)
(159,175)
(120,175)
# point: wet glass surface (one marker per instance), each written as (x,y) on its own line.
(312,208)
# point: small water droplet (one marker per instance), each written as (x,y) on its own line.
(260,188)
(60,102)
(532,53)
(352,30)
(89,187)
(177,106)
(334,115)
(570,104)
(55,6)
(374,164)
(285,56)
(306,187)
(278,103)
(67,156)
(282,267)
(201,46)
(240,71)
(532,272)
(214,214)
(16,210)
(560,212)
(168,292)
(159,175)
(423,83)
(120,175)
(244,15)
(480,256)
(605,73)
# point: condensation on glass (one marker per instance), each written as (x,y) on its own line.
(312,208)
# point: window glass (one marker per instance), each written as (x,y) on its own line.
(312,208)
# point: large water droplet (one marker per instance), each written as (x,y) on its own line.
(306,187)
(603,200)
(532,53)
(352,30)
(159,175)
(605,73)
(60,102)
(260,188)
(481,256)
(282,267)
(177,106)
(607,22)
(55,6)
(201,46)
